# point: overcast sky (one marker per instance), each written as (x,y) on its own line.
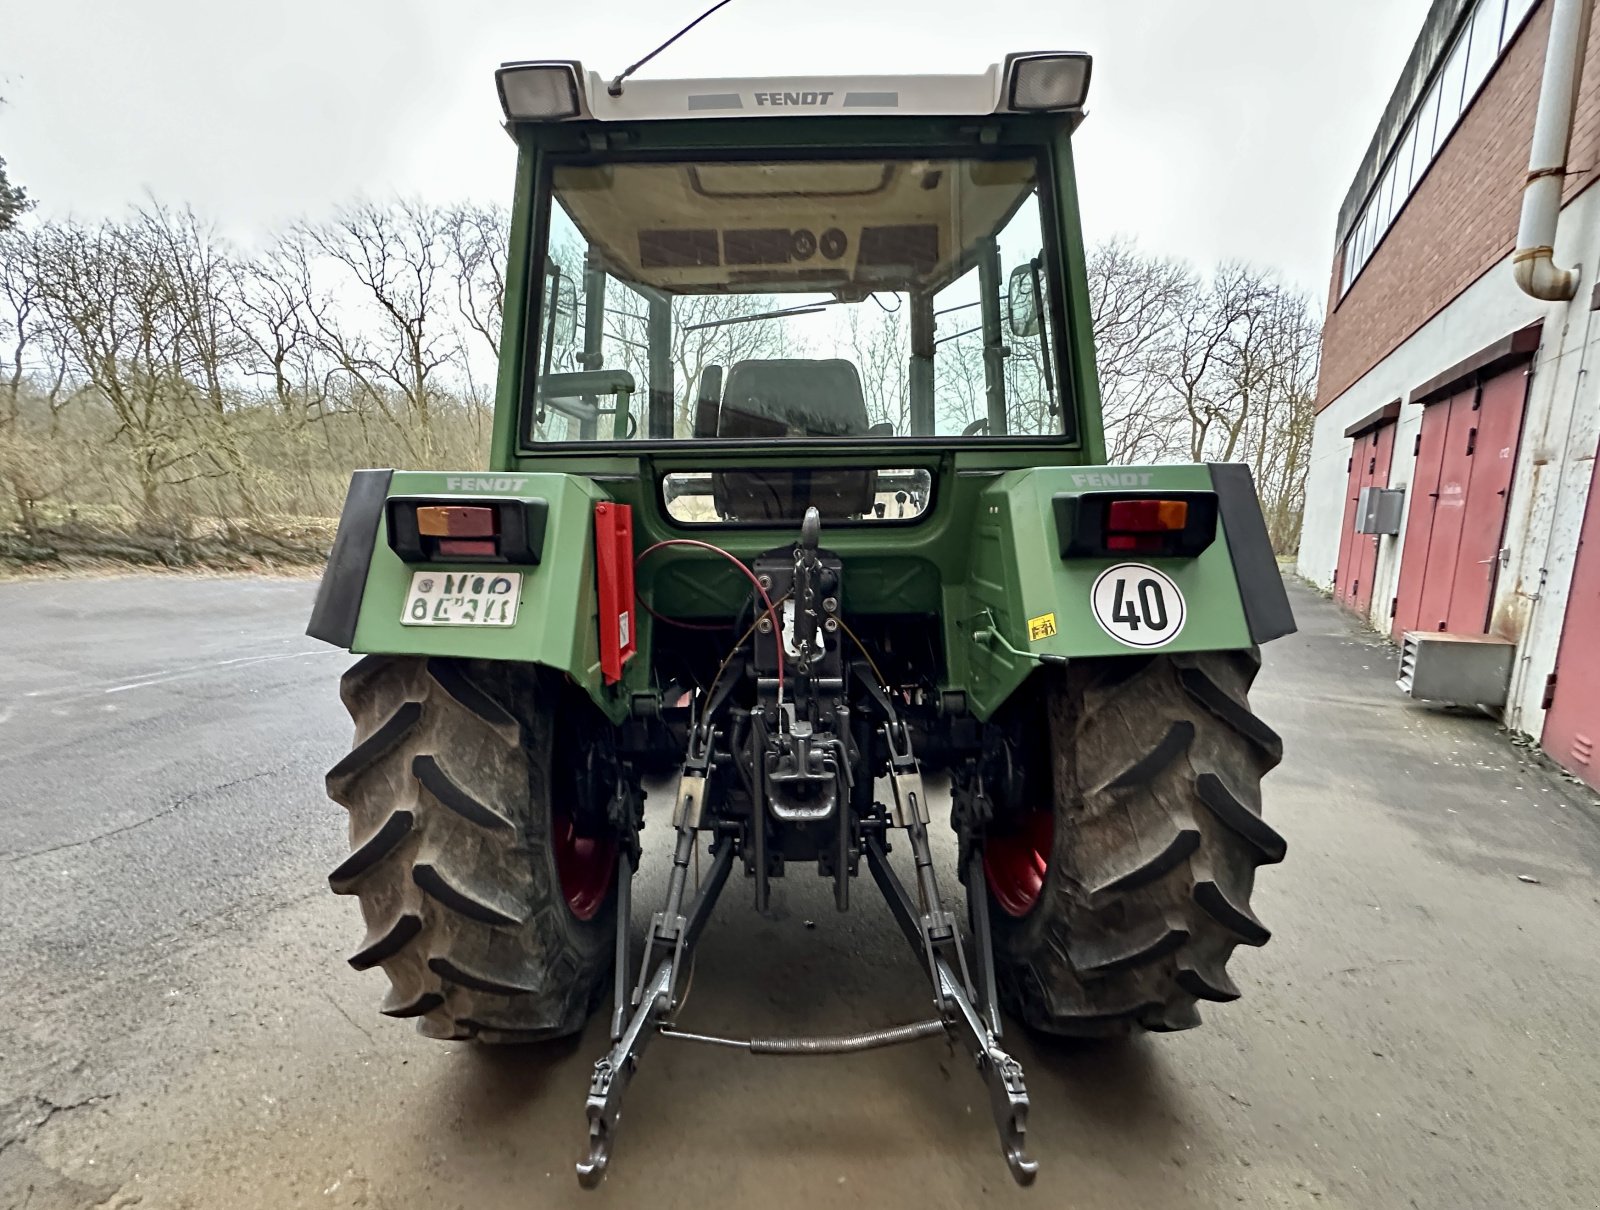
(1217,128)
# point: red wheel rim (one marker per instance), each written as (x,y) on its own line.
(585,866)
(1015,862)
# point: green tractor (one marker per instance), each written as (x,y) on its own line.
(795,492)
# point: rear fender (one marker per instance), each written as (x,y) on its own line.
(1041,602)
(363,591)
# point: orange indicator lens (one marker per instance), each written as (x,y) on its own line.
(455,521)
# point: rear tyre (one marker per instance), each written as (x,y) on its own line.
(491,911)
(1117,900)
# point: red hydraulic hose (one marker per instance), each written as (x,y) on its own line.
(749,575)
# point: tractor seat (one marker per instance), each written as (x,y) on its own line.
(790,397)
(793,397)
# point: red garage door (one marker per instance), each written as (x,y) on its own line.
(1572,728)
(1358,553)
(1466,454)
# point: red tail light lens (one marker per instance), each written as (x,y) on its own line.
(1097,524)
(471,548)
(1150,543)
(1146,516)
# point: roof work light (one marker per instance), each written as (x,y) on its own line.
(540,91)
(1048,80)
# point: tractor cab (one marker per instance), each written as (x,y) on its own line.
(796,269)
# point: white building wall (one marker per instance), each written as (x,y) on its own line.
(1555,461)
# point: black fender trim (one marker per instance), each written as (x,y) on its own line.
(344,580)
(1255,567)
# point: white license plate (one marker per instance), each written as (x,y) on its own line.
(462,598)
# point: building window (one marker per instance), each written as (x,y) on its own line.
(1407,170)
(1483,46)
(1451,79)
(1516,12)
(1478,45)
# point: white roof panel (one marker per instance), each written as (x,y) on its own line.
(779,96)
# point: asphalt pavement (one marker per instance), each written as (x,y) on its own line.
(181,1029)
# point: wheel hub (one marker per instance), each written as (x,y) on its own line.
(585,866)
(1016,861)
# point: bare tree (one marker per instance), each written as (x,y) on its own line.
(282,311)
(107,299)
(396,259)
(1135,300)
(34,373)
(960,382)
(1279,435)
(1237,361)
(20,321)
(477,237)
(880,344)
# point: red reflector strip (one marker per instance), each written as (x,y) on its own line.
(613,548)
(455,521)
(1134,542)
(474,547)
(1146,516)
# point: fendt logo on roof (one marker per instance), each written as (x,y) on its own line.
(792,98)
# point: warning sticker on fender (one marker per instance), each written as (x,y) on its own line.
(1137,605)
(1041,627)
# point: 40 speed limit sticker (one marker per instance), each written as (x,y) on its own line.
(1137,605)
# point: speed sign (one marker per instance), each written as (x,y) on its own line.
(1137,605)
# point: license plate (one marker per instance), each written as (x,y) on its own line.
(462,598)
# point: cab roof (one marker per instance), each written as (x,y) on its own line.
(794,96)
(559,90)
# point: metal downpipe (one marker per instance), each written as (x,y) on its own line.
(1533,263)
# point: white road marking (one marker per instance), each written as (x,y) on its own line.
(201,670)
(100,685)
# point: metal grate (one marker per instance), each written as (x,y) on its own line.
(1408,664)
(1466,669)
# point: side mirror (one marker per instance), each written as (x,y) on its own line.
(1022,300)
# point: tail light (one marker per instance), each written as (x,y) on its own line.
(461,529)
(1101,524)
(423,530)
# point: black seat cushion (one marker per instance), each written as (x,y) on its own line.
(793,397)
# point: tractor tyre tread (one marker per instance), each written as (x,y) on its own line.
(1156,765)
(448,788)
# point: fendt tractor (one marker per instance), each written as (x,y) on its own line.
(795,492)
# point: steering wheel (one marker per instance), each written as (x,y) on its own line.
(981,425)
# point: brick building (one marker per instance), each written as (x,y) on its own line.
(1474,404)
